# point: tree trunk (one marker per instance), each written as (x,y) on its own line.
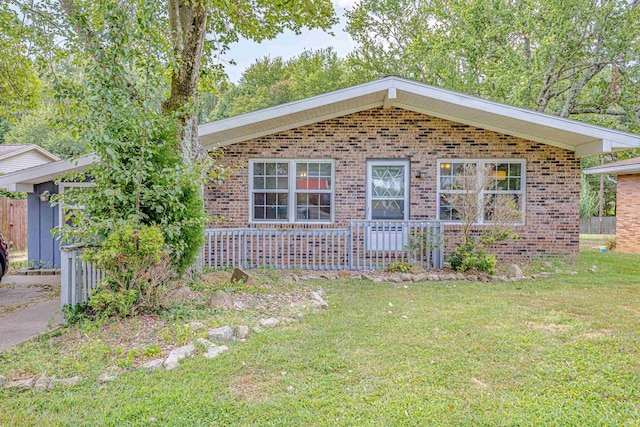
(188,23)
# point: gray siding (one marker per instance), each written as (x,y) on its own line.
(44,249)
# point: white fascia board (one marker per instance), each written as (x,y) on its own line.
(616,170)
(622,139)
(46,172)
(270,131)
(481,125)
(295,107)
(31,147)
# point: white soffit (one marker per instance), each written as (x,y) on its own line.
(25,179)
(389,92)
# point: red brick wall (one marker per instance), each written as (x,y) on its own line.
(552,174)
(628,214)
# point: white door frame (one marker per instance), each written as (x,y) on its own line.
(407,183)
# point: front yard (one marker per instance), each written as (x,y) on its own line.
(558,350)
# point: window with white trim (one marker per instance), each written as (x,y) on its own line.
(291,191)
(494,180)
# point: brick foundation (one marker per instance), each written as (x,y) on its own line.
(552,174)
(628,214)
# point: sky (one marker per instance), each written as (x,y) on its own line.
(288,45)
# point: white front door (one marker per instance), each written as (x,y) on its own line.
(387,200)
(388,190)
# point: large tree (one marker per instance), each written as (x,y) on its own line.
(140,64)
(567,57)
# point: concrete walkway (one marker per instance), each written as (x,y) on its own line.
(29,306)
(27,323)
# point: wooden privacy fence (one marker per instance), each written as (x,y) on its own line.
(363,245)
(590,225)
(13,222)
(78,278)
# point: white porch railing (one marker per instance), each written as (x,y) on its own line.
(363,245)
(78,278)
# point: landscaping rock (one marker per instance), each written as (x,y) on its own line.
(315,296)
(378,279)
(108,375)
(195,326)
(344,274)
(152,365)
(242,332)
(460,276)
(177,354)
(26,384)
(472,278)
(2,380)
(406,277)
(42,383)
(367,276)
(215,351)
(573,272)
(69,382)
(295,277)
(205,342)
(240,276)
(396,279)
(222,334)
(220,300)
(558,271)
(515,271)
(257,329)
(544,274)
(547,264)
(184,292)
(270,323)
(593,269)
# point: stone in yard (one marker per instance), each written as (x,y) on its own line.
(222,334)
(215,351)
(182,293)
(2,380)
(558,271)
(315,296)
(240,276)
(407,277)
(515,271)
(472,278)
(295,277)
(378,279)
(573,272)
(396,279)
(108,375)
(593,269)
(547,264)
(220,300)
(42,383)
(269,323)
(152,365)
(177,354)
(242,332)
(205,342)
(367,276)
(26,384)
(256,329)
(460,276)
(344,274)
(195,326)
(69,382)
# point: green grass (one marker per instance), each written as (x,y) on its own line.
(556,351)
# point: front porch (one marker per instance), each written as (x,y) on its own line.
(362,245)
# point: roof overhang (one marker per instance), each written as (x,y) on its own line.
(24,180)
(31,147)
(585,139)
(614,170)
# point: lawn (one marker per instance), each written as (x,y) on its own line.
(562,350)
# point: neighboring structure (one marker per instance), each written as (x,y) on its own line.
(13,213)
(385,151)
(17,157)
(38,182)
(627,202)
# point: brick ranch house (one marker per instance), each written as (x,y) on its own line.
(357,177)
(389,150)
(627,202)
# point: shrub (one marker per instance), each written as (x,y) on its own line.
(473,258)
(610,244)
(398,266)
(137,271)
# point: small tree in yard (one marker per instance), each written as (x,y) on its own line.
(469,203)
